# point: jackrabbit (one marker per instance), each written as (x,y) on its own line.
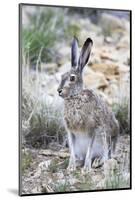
(92,127)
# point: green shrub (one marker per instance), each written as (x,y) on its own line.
(26,161)
(39,36)
(27,104)
(117,180)
(52,166)
(72,30)
(41,121)
(45,126)
(62,187)
(122,113)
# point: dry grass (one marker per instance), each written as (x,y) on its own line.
(41,116)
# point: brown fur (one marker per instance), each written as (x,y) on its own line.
(87,111)
(86,114)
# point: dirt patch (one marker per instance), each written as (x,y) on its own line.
(47,171)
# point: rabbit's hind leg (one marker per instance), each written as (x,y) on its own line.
(97,153)
(98,161)
(114,142)
(102,148)
(102,153)
(96,149)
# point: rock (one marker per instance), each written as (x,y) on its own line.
(122,69)
(94,59)
(122,46)
(107,56)
(45,164)
(110,70)
(108,40)
(106,69)
(95,79)
(122,55)
(95,56)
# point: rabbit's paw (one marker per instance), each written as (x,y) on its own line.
(86,168)
(98,162)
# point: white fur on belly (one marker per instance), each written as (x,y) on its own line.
(81,146)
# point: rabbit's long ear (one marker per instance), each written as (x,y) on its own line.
(74,52)
(85,54)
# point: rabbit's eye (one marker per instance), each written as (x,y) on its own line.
(72,78)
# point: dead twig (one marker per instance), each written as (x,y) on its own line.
(49,152)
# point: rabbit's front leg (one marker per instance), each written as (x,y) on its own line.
(88,158)
(72,160)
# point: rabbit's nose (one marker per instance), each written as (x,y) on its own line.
(59,91)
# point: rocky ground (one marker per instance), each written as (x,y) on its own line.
(108,72)
(47,171)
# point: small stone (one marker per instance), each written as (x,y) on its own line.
(45,164)
(108,40)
